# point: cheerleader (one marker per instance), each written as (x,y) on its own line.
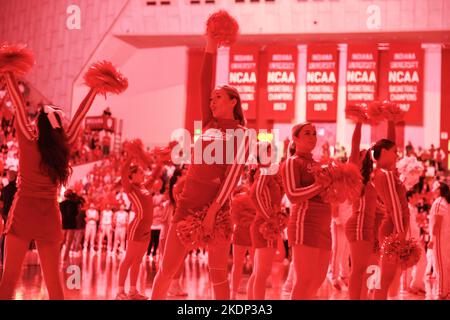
(362,227)
(208,184)
(243,214)
(120,229)
(440,240)
(44,150)
(266,194)
(309,223)
(137,189)
(393,195)
(91,228)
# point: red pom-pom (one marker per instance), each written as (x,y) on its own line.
(271,229)
(356,112)
(16,58)
(375,112)
(396,250)
(346,181)
(392,111)
(192,234)
(222,27)
(105,78)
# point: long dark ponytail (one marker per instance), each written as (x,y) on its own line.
(375,152)
(54,149)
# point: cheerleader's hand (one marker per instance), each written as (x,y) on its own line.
(431,244)
(211,44)
(402,235)
(324,178)
(208,226)
(210,218)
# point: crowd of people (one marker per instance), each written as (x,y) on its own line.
(139,202)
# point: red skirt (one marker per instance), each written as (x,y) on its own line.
(241,236)
(35,219)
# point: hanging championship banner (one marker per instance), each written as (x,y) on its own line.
(100,123)
(362,73)
(321,83)
(281,80)
(243,75)
(405,80)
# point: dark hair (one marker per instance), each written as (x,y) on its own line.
(251,175)
(172,181)
(367,164)
(444,191)
(410,193)
(238,113)
(132,170)
(54,149)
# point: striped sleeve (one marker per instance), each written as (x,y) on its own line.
(296,194)
(441,207)
(19,104)
(234,172)
(260,198)
(77,120)
(386,185)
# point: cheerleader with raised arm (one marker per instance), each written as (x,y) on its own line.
(208,186)
(138,191)
(393,195)
(266,194)
(310,218)
(361,227)
(44,150)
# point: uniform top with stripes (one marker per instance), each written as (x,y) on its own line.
(393,194)
(298,180)
(440,207)
(208,182)
(212,180)
(32,181)
(266,193)
(142,202)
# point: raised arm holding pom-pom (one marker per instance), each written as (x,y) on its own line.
(44,152)
(203,205)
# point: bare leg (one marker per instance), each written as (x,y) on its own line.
(48,254)
(15,250)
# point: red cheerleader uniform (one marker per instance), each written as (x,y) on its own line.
(310,219)
(266,194)
(35,213)
(243,213)
(212,182)
(142,201)
(360,226)
(393,194)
